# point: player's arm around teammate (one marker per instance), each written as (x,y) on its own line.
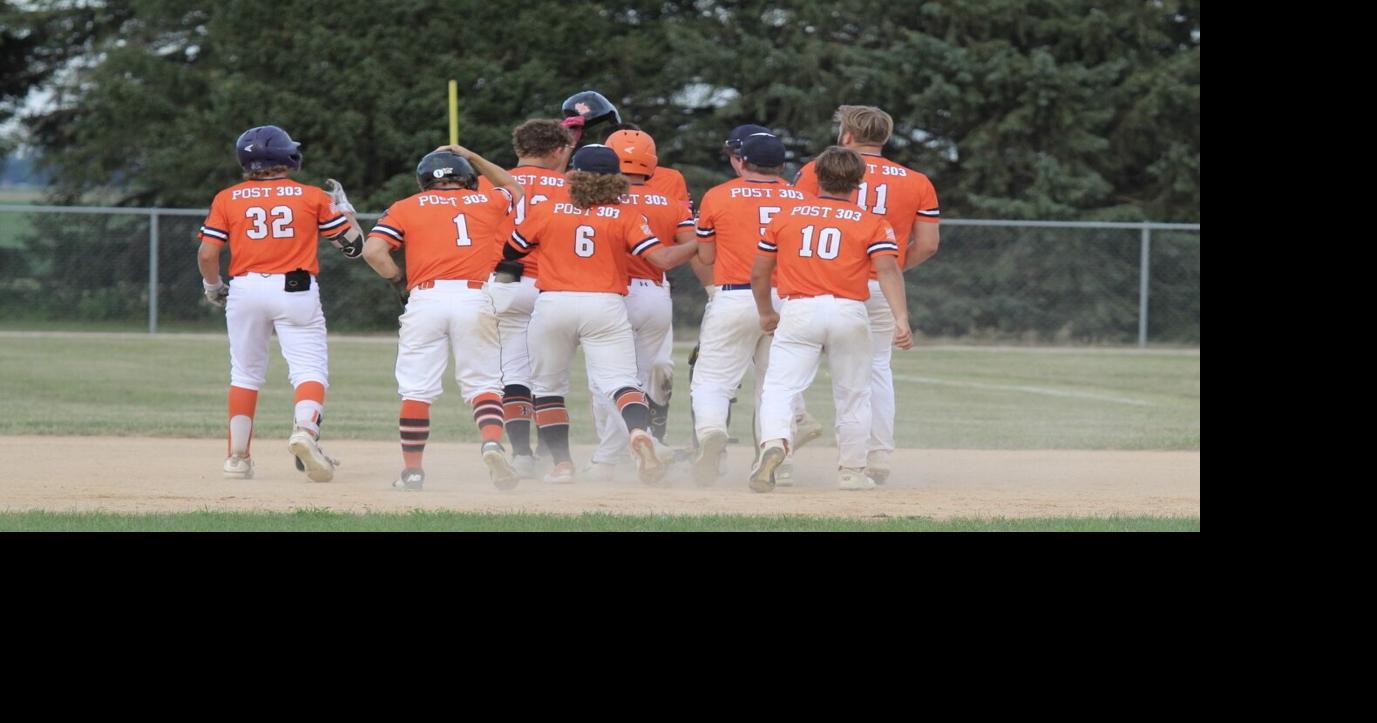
(272,225)
(649,307)
(824,250)
(584,236)
(448,231)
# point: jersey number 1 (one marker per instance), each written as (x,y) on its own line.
(461,224)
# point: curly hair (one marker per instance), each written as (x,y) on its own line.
(595,189)
(540,137)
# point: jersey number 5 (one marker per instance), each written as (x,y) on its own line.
(282,222)
(767,213)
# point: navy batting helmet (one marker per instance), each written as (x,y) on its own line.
(264,147)
(592,106)
(440,166)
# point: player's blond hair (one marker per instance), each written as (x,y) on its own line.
(867,124)
(840,170)
(263,173)
(594,189)
(539,138)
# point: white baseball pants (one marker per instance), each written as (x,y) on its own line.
(258,305)
(881,373)
(514,303)
(561,321)
(809,328)
(449,318)
(651,315)
(729,342)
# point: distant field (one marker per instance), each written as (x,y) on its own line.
(950,398)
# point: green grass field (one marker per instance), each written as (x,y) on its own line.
(324,521)
(173,385)
(170,385)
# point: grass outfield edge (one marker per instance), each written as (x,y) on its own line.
(321,520)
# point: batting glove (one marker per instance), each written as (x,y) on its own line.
(339,202)
(216,293)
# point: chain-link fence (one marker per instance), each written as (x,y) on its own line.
(991,281)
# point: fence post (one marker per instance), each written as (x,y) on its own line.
(1143,289)
(152,271)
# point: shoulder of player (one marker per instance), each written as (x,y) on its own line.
(897,166)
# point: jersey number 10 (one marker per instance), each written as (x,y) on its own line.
(829,242)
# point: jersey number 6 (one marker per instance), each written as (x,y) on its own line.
(583,241)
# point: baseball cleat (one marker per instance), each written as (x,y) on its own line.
(710,450)
(503,475)
(784,476)
(854,480)
(524,464)
(561,474)
(598,472)
(411,480)
(238,467)
(763,476)
(318,466)
(877,467)
(648,464)
(806,429)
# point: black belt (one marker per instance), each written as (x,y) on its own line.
(734,287)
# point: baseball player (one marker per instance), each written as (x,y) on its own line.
(730,222)
(448,232)
(584,235)
(669,183)
(648,306)
(542,150)
(906,199)
(824,249)
(272,225)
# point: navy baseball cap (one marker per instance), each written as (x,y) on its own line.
(596,158)
(739,134)
(763,150)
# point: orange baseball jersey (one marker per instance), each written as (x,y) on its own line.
(539,184)
(898,193)
(665,218)
(583,249)
(669,182)
(734,215)
(825,246)
(272,227)
(449,234)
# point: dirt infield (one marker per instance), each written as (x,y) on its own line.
(135,474)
